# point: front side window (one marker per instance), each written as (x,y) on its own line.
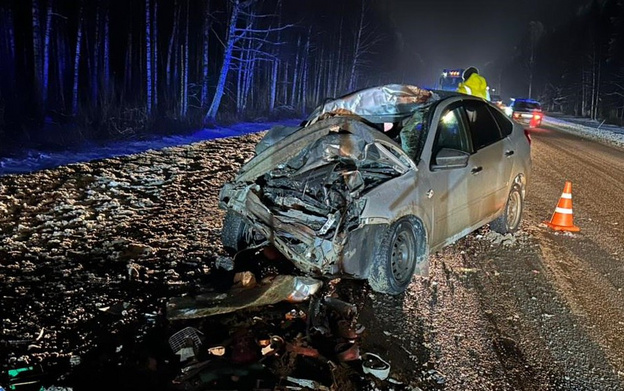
(452,132)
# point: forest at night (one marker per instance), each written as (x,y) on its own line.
(86,70)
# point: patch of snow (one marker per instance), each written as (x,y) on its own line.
(588,128)
(35,160)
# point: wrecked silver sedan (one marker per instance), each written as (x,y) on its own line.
(374,181)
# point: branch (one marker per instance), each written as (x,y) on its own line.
(271,29)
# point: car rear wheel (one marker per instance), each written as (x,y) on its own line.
(236,235)
(509,221)
(395,259)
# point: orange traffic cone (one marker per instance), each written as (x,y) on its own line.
(562,219)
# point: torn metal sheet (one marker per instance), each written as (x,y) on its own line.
(281,288)
(377,104)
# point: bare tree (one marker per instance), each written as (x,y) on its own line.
(95,75)
(536,30)
(148,58)
(227,61)
(172,41)
(107,48)
(36,48)
(185,66)
(77,64)
(46,53)
(205,53)
(155,53)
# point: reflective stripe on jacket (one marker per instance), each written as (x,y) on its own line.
(475,85)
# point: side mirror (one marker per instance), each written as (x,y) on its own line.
(448,158)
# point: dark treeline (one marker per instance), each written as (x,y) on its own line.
(576,67)
(78,69)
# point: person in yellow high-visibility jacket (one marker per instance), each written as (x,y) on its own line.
(474,84)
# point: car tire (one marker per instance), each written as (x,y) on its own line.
(236,234)
(509,221)
(395,259)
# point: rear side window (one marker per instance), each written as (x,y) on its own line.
(505,125)
(483,127)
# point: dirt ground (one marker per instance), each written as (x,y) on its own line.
(90,254)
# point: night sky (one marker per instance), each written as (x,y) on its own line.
(455,33)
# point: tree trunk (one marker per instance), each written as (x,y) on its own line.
(155,53)
(128,65)
(339,64)
(148,57)
(172,39)
(186,63)
(61,56)
(273,88)
(95,76)
(225,67)
(46,53)
(206,35)
(304,82)
(37,64)
(356,52)
(77,65)
(293,92)
(107,50)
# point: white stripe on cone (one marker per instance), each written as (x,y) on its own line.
(564,211)
(566,195)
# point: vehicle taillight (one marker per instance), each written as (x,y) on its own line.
(537,116)
(528,135)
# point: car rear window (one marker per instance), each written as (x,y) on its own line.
(527,105)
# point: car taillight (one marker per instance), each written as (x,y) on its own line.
(528,135)
(537,116)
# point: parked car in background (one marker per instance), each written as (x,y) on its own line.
(372,182)
(526,111)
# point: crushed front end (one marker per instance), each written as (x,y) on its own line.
(306,193)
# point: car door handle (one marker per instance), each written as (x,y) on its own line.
(476,170)
(509,153)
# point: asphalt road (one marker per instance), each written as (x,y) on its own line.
(538,311)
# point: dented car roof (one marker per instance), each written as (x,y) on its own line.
(379,104)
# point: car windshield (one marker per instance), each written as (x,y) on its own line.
(524,105)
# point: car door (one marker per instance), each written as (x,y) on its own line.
(450,186)
(491,162)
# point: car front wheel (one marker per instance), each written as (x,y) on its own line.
(395,259)
(236,235)
(509,221)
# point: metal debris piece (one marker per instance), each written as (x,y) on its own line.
(311,384)
(375,365)
(185,343)
(245,279)
(280,288)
